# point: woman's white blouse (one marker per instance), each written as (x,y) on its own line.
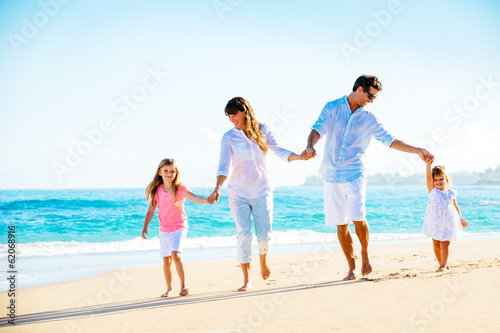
(250,175)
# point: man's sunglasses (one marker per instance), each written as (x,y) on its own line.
(370,96)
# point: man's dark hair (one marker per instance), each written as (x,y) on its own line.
(367,81)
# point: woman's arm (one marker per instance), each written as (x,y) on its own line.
(276,148)
(428,174)
(149,216)
(214,197)
(223,171)
(196,198)
(463,222)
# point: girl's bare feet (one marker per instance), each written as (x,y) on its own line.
(246,286)
(168,293)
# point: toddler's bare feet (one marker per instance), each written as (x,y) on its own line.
(246,286)
(168,293)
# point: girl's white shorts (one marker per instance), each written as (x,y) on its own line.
(172,241)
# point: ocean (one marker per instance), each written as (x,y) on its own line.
(61,235)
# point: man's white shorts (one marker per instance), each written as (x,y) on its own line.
(344,202)
(171,241)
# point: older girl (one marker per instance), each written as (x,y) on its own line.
(166,191)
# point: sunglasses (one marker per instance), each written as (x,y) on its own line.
(370,96)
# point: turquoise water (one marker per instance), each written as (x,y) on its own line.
(99,226)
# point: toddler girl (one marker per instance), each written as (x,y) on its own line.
(443,221)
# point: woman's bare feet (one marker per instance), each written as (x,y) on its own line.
(265,271)
(246,286)
(442,268)
(351,275)
(168,293)
(184,291)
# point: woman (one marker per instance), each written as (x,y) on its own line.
(250,188)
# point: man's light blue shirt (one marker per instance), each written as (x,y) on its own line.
(348,136)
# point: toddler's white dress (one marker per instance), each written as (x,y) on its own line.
(441,221)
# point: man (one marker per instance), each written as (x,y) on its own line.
(349,129)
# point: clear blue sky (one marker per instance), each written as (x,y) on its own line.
(96,94)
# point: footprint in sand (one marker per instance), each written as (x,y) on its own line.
(370,280)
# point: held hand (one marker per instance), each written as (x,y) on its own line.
(464,223)
(425,155)
(214,197)
(144,232)
(308,153)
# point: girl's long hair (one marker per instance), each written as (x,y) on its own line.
(157,180)
(252,124)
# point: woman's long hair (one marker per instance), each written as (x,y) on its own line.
(252,124)
(157,180)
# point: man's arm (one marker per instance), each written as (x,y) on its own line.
(313,138)
(421,152)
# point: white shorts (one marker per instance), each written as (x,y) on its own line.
(344,202)
(171,241)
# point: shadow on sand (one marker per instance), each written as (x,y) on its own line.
(154,303)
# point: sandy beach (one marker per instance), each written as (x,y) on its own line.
(304,293)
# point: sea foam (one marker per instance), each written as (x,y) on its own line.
(290,237)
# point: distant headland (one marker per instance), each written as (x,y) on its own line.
(490,176)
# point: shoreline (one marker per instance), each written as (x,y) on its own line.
(48,270)
(305,292)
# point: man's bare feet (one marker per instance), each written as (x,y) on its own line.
(351,275)
(265,271)
(184,291)
(366,266)
(246,286)
(168,293)
(442,268)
